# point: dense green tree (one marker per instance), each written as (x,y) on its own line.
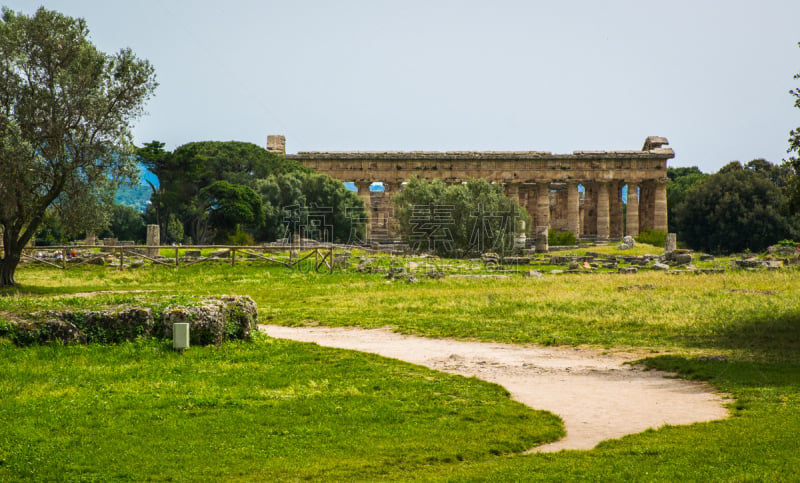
(65,114)
(681,179)
(334,213)
(736,209)
(229,206)
(212,188)
(127,223)
(458,220)
(174,230)
(310,205)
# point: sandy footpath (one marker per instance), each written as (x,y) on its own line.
(595,394)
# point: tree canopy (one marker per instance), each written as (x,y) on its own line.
(65,114)
(217,189)
(680,180)
(458,220)
(739,208)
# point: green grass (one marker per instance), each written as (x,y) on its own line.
(254,411)
(753,319)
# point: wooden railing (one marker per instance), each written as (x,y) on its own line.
(61,256)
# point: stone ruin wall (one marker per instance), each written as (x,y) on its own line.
(545,184)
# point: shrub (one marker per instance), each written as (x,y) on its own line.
(561,238)
(652,237)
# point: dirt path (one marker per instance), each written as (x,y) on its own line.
(595,394)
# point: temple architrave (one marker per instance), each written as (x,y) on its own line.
(579,192)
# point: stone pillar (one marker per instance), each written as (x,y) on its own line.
(646,202)
(589,225)
(91,238)
(616,223)
(364,194)
(632,221)
(660,208)
(573,209)
(153,240)
(540,239)
(672,243)
(512,191)
(543,204)
(390,188)
(603,216)
(276,144)
(531,206)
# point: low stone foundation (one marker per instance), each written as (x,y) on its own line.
(212,320)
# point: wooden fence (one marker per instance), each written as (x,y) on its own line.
(61,256)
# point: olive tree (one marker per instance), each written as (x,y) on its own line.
(65,116)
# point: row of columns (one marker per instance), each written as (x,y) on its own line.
(559,205)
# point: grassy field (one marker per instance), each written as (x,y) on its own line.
(74,410)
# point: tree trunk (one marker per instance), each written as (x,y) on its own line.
(8,265)
(12,252)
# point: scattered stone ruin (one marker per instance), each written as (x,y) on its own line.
(546,184)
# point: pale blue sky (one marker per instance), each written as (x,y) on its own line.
(711,76)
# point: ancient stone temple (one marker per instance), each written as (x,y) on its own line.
(579,192)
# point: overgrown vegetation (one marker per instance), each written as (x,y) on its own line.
(652,237)
(561,238)
(459,220)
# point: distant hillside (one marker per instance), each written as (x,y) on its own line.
(138,196)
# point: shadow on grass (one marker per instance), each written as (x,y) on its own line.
(737,376)
(29,290)
(775,337)
(762,359)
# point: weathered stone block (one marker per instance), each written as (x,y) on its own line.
(46,330)
(224,253)
(206,322)
(214,319)
(681,258)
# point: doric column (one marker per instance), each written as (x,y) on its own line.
(589,221)
(616,224)
(364,194)
(542,216)
(603,216)
(512,191)
(632,219)
(543,204)
(531,204)
(390,188)
(660,212)
(573,209)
